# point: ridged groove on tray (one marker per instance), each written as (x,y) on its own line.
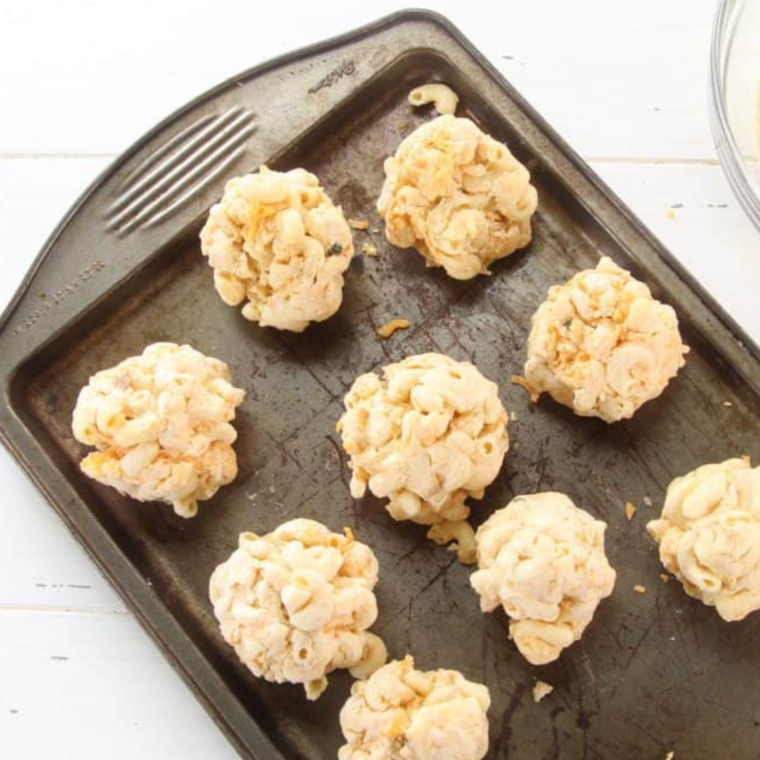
(180,169)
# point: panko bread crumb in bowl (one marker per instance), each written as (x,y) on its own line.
(296,604)
(401,713)
(458,196)
(161,425)
(278,243)
(542,559)
(709,535)
(428,433)
(602,345)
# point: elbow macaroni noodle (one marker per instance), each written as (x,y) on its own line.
(443,98)
(374,656)
(462,535)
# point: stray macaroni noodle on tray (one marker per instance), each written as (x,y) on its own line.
(400,713)
(542,559)
(296,604)
(277,241)
(161,424)
(443,98)
(458,196)
(709,535)
(602,345)
(428,433)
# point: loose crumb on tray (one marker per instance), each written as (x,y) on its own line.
(541,689)
(358,224)
(639,589)
(630,511)
(462,538)
(369,249)
(670,755)
(728,403)
(523,383)
(648,501)
(664,577)
(390,327)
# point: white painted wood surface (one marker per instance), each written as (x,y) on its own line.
(625,82)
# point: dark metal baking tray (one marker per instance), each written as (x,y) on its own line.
(653,671)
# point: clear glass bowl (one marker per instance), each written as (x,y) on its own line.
(735,90)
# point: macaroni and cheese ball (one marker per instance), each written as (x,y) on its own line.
(709,535)
(602,345)
(405,714)
(277,242)
(296,604)
(428,433)
(161,424)
(542,559)
(458,196)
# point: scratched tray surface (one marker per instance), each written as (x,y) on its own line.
(652,672)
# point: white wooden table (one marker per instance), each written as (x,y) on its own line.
(626,83)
